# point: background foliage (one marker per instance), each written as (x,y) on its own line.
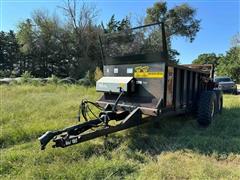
(226,65)
(44,45)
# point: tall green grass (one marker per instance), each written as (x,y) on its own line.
(172,148)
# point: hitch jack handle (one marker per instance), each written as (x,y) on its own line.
(117,100)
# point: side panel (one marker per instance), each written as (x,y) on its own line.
(170,79)
(178,88)
(184,104)
(188,86)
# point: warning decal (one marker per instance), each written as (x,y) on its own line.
(143,72)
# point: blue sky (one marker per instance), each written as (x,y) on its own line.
(220,20)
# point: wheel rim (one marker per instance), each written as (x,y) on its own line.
(213,107)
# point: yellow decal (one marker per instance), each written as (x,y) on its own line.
(143,72)
(142,69)
(122,85)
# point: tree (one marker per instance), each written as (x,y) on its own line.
(207,58)
(179,21)
(225,65)
(116,41)
(47,40)
(26,38)
(85,45)
(51,47)
(115,26)
(230,64)
(9,54)
(2,44)
(39,44)
(235,41)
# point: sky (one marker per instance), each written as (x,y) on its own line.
(220,20)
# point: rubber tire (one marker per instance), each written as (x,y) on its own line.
(219,103)
(235,92)
(206,108)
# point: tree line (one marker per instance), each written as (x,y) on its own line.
(225,65)
(46,45)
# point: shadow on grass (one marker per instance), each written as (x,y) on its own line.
(222,137)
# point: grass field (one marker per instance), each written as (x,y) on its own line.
(175,148)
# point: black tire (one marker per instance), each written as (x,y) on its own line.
(219,103)
(235,92)
(206,108)
(194,107)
